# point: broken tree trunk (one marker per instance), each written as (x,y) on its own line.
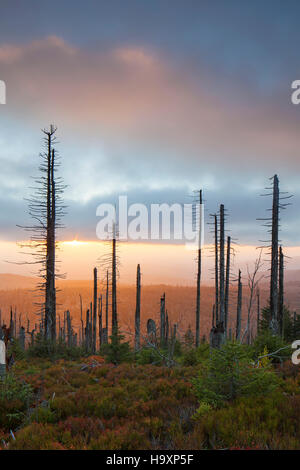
(100,321)
(162,319)
(95,312)
(137,342)
(22,337)
(69,329)
(114,284)
(2,357)
(239,309)
(197,338)
(81,321)
(258,312)
(87,330)
(216,268)
(222,265)
(281,292)
(106,307)
(227,282)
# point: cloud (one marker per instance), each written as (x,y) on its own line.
(135,101)
(133,120)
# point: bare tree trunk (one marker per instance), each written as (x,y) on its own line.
(100,321)
(69,329)
(239,308)
(22,337)
(95,300)
(274,259)
(227,282)
(167,329)
(138,310)
(222,265)
(81,321)
(197,338)
(162,319)
(87,330)
(11,323)
(114,286)
(281,291)
(50,293)
(216,269)
(258,312)
(106,306)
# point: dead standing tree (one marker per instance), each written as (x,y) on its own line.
(281,292)
(253,281)
(110,262)
(95,301)
(239,308)
(222,265)
(138,310)
(162,319)
(199,256)
(46,209)
(277,205)
(227,283)
(274,258)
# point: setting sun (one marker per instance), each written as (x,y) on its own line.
(74,243)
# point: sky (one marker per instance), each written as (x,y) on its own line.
(152,100)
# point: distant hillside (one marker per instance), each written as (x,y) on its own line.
(14,281)
(19,293)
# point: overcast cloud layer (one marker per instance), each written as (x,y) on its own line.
(153,100)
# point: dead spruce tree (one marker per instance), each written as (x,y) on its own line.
(227,283)
(274,258)
(253,280)
(217,333)
(106,308)
(114,313)
(137,341)
(216,268)
(281,292)
(273,226)
(95,301)
(110,262)
(199,256)
(239,308)
(46,210)
(162,319)
(222,265)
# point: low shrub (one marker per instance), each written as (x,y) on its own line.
(230,373)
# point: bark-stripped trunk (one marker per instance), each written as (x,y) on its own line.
(227,282)
(114,285)
(137,342)
(106,307)
(81,321)
(87,330)
(162,319)
(95,299)
(50,292)
(100,321)
(239,309)
(216,269)
(281,292)
(258,313)
(274,259)
(198,276)
(69,329)
(222,265)
(167,329)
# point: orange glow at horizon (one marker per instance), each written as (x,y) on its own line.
(160,263)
